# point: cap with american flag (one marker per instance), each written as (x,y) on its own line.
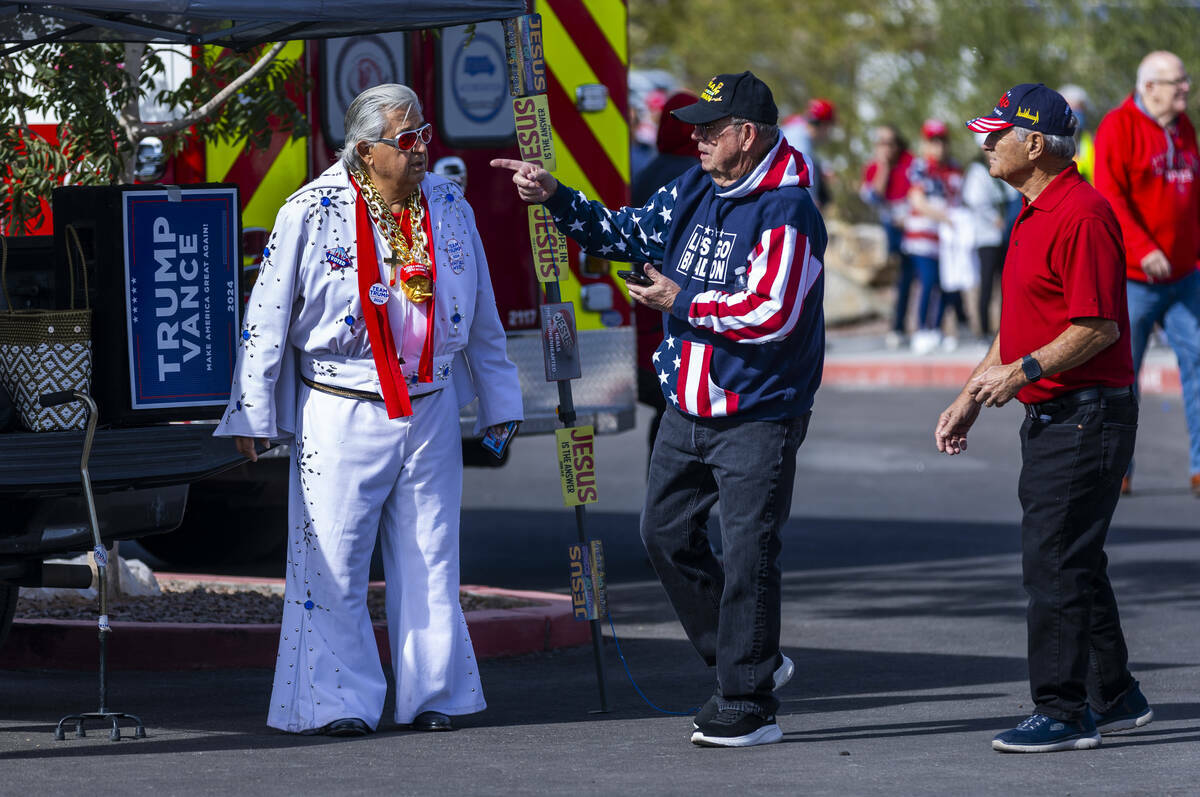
(1032,106)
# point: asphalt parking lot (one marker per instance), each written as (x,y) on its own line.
(902,608)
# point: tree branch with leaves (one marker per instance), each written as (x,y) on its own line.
(96,92)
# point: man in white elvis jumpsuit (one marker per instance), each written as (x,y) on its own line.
(372,323)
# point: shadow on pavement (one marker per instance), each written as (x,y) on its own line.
(834,571)
(534,544)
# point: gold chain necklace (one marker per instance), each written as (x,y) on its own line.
(416,268)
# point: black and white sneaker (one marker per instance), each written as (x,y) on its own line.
(731,728)
(783,673)
(706,713)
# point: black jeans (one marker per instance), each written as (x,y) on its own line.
(1073,459)
(731,612)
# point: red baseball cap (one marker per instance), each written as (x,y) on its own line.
(934,128)
(821,110)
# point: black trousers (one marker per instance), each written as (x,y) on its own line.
(1074,454)
(730,609)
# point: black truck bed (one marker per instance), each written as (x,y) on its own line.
(46,463)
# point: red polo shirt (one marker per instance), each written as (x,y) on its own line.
(1065,261)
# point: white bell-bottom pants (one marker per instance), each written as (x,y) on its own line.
(356,474)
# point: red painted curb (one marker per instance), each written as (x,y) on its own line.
(1156,378)
(73,645)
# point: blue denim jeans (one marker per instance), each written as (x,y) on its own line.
(1175,305)
(729,608)
(904,279)
(927,305)
(1073,458)
(903,288)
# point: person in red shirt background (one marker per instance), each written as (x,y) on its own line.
(807,132)
(1148,167)
(677,153)
(885,187)
(1062,351)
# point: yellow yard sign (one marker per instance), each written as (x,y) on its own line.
(577,465)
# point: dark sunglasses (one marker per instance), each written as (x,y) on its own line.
(408,139)
(711,131)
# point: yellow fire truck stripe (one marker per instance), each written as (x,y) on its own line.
(610,18)
(218,157)
(286,174)
(571,173)
(572,69)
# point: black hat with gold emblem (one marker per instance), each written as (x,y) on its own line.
(742,95)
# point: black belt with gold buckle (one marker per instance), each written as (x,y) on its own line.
(344,392)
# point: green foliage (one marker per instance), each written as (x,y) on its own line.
(95,96)
(903,61)
(23,156)
(265,104)
(51,81)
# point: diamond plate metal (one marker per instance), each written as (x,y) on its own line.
(604,396)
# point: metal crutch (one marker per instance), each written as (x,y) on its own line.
(115,717)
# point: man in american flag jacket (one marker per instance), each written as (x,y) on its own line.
(738,245)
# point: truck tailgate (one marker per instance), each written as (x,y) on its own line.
(48,462)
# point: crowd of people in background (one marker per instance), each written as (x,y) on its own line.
(947,228)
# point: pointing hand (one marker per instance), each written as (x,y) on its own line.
(534,184)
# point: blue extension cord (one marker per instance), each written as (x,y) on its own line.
(637,688)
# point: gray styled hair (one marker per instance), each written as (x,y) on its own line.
(1061,147)
(366,117)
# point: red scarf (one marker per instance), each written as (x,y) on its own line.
(379,330)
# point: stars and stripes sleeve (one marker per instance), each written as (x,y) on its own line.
(627,235)
(782,271)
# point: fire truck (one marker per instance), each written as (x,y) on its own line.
(461,76)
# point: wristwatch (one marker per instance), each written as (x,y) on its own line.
(1031,367)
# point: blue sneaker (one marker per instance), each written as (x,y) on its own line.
(1132,712)
(1042,734)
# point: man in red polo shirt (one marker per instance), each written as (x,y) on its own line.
(1063,351)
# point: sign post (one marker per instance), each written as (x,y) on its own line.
(560,342)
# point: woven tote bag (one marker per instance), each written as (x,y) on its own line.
(44,351)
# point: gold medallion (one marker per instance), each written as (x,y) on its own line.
(413,263)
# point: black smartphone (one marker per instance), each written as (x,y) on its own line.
(497,442)
(636,277)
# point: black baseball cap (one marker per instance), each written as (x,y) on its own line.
(1032,106)
(742,95)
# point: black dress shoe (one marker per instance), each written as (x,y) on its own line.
(432,721)
(350,726)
